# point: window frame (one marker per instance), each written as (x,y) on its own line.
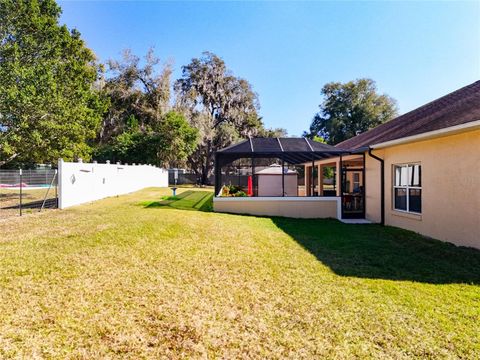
(407,188)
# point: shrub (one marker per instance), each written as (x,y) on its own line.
(233,191)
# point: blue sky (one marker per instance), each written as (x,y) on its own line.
(415,51)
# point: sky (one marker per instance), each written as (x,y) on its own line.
(415,51)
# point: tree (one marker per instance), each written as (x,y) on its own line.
(136,91)
(139,126)
(167,144)
(223,107)
(349,109)
(49,107)
(275,133)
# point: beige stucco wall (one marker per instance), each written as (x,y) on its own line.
(373,188)
(295,208)
(450,187)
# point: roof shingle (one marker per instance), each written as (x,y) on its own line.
(459,107)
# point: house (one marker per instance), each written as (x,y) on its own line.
(419,171)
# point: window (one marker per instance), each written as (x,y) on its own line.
(356,182)
(407,188)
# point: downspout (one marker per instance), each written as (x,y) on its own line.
(382,184)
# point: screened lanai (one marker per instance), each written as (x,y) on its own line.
(255,161)
(295,177)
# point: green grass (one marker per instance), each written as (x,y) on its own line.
(138,277)
(171,197)
(186,200)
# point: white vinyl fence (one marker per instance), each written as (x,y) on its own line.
(79,182)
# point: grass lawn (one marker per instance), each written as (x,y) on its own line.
(138,276)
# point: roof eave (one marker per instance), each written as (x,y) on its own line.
(452,130)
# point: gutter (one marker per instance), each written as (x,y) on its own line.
(359,150)
(382,185)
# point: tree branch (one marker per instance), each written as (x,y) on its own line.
(3,162)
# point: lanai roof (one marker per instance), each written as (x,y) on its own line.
(291,150)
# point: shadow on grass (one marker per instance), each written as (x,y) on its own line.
(187,200)
(377,252)
(49,203)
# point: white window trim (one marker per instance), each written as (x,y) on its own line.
(407,188)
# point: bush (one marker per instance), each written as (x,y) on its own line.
(240,194)
(233,191)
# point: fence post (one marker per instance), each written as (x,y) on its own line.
(60,179)
(56,189)
(21,186)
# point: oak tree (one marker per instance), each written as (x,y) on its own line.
(349,109)
(49,106)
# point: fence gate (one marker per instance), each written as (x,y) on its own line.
(27,191)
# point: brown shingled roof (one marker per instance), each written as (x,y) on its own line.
(459,107)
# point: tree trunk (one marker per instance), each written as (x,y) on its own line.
(206,167)
(204,178)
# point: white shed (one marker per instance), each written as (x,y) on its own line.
(269,181)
